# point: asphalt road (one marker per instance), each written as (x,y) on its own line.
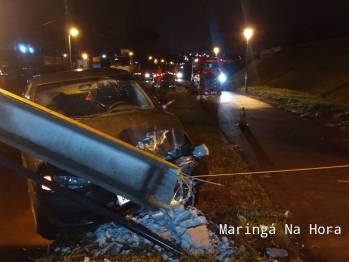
(18,240)
(277,140)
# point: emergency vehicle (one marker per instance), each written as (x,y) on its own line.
(202,64)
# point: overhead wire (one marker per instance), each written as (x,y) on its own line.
(273,171)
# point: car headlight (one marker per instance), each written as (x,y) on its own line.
(222,78)
(71,182)
(147,75)
(179,75)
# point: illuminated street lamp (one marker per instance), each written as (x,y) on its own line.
(248,33)
(72,32)
(84,56)
(131,60)
(216,50)
(150,58)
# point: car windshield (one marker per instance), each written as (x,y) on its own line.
(209,65)
(87,97)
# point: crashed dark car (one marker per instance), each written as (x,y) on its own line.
(114,102)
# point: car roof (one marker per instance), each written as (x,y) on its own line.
(77,74)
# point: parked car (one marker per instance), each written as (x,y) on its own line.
(114,102)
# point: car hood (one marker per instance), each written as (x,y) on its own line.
(154,130)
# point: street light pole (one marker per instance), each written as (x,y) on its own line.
(248,33)
(70,66)
(72,32)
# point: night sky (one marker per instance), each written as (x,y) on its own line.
(181,26)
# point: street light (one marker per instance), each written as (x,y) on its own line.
(248,33)
(131,60)
(216,50)
(72,32)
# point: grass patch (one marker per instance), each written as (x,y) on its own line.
(331,114)
(318,68)
(241,201)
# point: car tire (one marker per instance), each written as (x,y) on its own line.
(42,225)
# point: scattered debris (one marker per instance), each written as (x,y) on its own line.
(184,226)
(242,249)
(276,252)
(287,213)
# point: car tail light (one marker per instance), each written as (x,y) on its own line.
(49,178)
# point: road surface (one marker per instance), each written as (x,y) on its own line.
(277,140)
(18,242)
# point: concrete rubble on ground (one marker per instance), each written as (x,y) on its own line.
(276,252)
(184,226)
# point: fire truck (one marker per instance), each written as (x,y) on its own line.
(201,66)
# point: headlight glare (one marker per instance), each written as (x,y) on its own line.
(222,77)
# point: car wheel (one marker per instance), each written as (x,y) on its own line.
(42,225)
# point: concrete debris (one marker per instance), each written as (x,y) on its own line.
(276,252)
(199,236)
(287,213)
(186,227)
(241,218)
(65,250)
(242,249)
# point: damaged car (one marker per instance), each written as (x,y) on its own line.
(114,102)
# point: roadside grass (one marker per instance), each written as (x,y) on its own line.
(319,68)
(240,200)
(325,111)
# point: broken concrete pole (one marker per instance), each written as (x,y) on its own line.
(87,152)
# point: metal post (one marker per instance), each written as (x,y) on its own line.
(246,68)
(70,66)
